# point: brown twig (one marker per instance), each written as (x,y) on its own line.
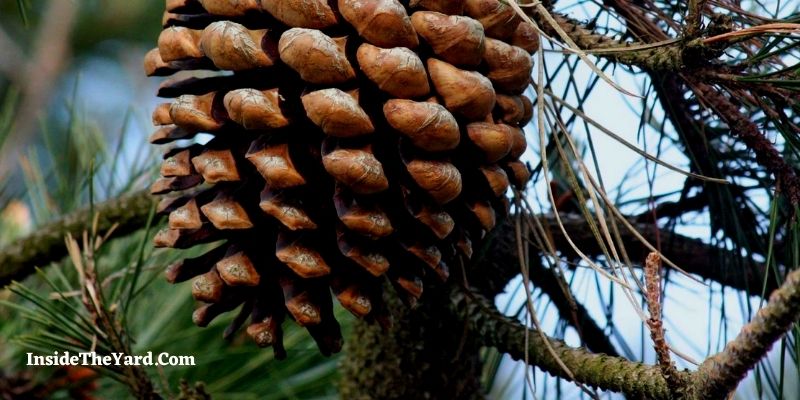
(83,258)
(652,274)
(777,27)
(694,18)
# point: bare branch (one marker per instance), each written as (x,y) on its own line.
(664,55)
(716,377)
(693,255)
(46,244)
(597,370)
(721,373)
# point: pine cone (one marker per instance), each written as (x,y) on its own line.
(352,141)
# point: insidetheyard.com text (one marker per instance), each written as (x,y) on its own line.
(66,358)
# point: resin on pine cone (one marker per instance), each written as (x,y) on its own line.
(353,141)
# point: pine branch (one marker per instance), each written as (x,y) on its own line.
(719,374)
(672,59)
(693,255)
(716,377)
(596,370)
(696,137)
(673,209)
(46,243)
(668,55)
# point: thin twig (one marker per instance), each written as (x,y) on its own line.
(694,18)
(652,274)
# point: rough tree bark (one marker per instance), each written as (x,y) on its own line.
(427,353)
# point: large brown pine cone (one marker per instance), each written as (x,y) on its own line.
(352,140)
